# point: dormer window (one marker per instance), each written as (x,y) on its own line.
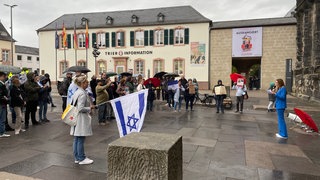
(109,20)
(160,17)
(134,19)
(84,21)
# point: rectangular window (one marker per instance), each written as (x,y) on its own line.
(101,40)
(19,57)
(179,36)
(102,67)
(159,37)
(139,67)
(29,58)
(5,55)
(82,40)
(158,66)
(120,39)
(82,63)
(63,66)
(139,38)
(178,66)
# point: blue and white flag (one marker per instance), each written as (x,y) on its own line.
(71,90)
(172,85)
(130,111)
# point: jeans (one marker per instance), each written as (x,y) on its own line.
(189,99)
(3,115)
(219,103)
(177,104)
(239,103)
(13,115)
(282,123)
(149,105)
(102,111)
(78,148)
(43,107)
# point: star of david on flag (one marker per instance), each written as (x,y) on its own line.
(130,111)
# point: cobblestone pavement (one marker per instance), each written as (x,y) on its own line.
(215,146)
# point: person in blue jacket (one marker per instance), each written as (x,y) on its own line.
(281,105)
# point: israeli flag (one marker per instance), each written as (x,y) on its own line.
(130,111)
(172,85)
(71,90)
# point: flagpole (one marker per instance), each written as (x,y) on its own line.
(55,44)
(75,44)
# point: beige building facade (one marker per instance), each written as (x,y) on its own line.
(138,41)
(278,44)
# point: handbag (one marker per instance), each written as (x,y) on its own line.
(245,96)
(69,115)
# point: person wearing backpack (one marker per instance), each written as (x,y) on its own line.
(63,89)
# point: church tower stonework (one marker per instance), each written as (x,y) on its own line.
(307,67)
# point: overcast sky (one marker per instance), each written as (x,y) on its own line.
(31,15)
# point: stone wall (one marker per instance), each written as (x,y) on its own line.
(279,44)
(307,66)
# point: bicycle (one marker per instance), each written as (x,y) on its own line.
(205,99)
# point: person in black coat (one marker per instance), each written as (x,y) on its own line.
(93,85)
(151,95)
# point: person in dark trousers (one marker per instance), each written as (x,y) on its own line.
(3,105)
(219,97)
(190,92)
(49,90)
(93,85)
(151,95)
(32,89)
(63,89)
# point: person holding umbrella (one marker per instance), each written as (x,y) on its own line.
(281,105)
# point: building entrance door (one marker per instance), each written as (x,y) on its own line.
(120,64)
(250,68)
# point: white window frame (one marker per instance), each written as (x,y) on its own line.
(81,40)
(159,37)
(158,65)
(179,36)
(139,38)
(139,67)
(120,36)
(178,66)
(101,40)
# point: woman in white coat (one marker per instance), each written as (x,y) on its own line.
(83,128)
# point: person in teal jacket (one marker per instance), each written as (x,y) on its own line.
(281,105)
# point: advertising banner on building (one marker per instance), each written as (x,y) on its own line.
(198,53)
(247,42)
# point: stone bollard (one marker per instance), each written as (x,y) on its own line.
(147,156)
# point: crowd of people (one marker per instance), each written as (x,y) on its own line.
(76,89)
(24,96)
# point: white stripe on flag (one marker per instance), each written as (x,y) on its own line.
(130,111)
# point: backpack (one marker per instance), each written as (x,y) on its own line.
(61,86)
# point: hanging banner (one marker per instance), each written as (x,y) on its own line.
(247,42)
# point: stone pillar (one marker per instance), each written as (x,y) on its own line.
(145,156)
(307,67)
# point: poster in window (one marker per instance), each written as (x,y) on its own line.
(247,42)
(198,53)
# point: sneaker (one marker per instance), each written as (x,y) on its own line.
(86,161)
(240,112)
(102,124)
(76,162)
(236,111)
(16,132)
(4,135)
(22,130)
(282,137)
(46,120)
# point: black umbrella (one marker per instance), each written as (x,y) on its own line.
(81,69)
(171,75)
(126,74)
(159,74)
(110,74)
(8,69)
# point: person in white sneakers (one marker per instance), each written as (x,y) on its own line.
(82,101)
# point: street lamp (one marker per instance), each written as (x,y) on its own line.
(95,53)
(11,6)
